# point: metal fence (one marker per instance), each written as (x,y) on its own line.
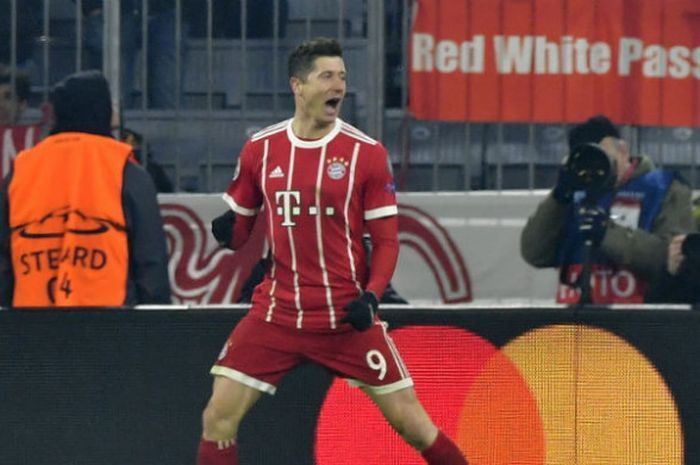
(196,78)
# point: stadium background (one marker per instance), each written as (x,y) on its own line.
(126,387)
(233,73)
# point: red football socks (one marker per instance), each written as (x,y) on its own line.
(443,452)
(217,452)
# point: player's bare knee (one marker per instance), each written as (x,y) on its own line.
(416,429)
(420,435)
(217,425)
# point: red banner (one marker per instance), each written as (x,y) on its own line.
(553,61)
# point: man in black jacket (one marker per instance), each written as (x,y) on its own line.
(82,109)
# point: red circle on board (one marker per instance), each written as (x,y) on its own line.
(351,430)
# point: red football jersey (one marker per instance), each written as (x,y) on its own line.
(14,139)
(316,196)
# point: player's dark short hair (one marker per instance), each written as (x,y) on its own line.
(23,88)
(592,130)
(301,60)
(82,103)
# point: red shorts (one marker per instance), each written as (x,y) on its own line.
(258,354)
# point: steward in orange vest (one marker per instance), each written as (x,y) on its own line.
(79,220)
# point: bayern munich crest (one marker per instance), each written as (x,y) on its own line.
(337,167)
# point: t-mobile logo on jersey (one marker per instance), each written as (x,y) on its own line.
(288,206)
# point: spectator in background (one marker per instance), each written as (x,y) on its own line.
(28,29)
(13,102)
(79,220)
(162,75)
(681,283)
(394,49)
(226,19)
(628,222)
(15,137)
(144,156)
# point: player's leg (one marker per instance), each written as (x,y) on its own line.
(406,415)
(228,404)
(370,359)
(255,357)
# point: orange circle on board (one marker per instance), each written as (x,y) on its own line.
(500,421)
(600,400)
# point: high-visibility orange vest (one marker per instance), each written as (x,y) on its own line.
(69,242)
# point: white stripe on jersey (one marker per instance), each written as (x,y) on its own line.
(395,352)
(270,130)
(270,209)
(292,247)
(381,212)
(237,208)
(346,208)
(355,133)
(319,238)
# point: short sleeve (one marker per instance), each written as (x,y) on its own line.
(243,194)
(379,192)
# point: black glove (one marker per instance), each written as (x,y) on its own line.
(222,228)
(592,223)
(563,191)
(361,311)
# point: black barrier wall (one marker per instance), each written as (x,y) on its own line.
(126,387)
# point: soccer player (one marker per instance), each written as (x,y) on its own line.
(322,182)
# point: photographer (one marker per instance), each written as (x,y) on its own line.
(680,284)
(610,211)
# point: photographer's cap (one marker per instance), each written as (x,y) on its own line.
(593,130)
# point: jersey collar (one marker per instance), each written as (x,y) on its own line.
(313,144)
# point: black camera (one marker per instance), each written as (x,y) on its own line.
(590,169)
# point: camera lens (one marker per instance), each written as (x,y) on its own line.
(590,168)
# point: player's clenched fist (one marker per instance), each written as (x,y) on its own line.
(222,228)
(361,311)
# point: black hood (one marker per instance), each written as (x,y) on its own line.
(82,103)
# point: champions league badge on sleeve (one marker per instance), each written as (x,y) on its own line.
(337,167)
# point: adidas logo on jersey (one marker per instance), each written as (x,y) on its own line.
(277,173)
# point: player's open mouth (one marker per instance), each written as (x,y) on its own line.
(333,103)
